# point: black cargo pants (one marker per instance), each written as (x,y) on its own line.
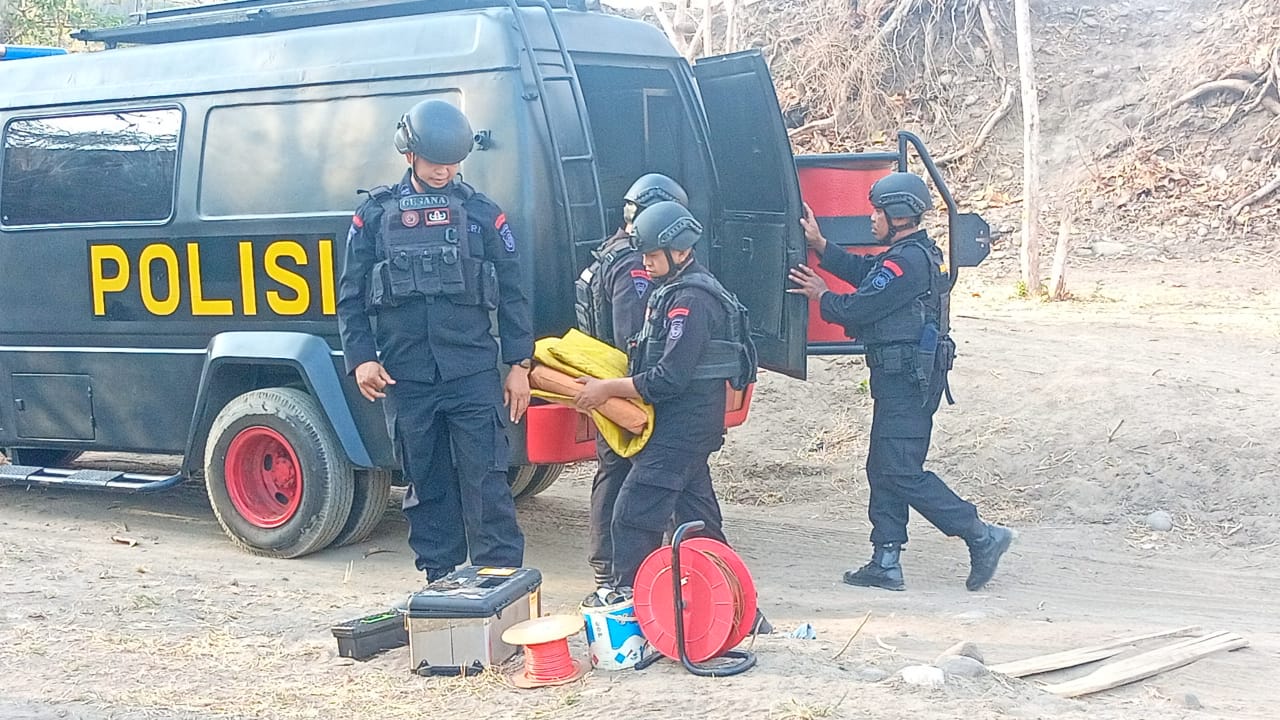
(451,441)
(901,424)
(664,483)
(611,471)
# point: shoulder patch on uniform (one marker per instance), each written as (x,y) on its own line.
(675,330)
(504,231)
(882,278)
(893,268)
(641,280)
(678,312)
(357,221)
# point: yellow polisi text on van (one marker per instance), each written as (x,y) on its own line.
(247,278)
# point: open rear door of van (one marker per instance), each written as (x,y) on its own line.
(757,234)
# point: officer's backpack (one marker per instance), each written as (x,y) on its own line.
(593,302)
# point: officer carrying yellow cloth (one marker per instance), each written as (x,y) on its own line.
(624,424)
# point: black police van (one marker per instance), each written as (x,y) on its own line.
(171,213)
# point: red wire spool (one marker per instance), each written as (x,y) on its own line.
(719,595)
(547,660)
(746,585)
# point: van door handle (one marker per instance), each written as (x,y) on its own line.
(748,246)
(19,404)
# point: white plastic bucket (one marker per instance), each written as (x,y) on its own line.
(614,637)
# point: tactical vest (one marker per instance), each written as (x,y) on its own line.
(593,302)
(933,308)
(427,251)
(916,338)
(731,358)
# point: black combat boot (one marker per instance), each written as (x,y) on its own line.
(883,571)
(986,545)
(762,626)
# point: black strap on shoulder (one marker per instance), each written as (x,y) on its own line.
(465,190)
(379,193)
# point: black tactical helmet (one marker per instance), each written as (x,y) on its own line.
(665,225)
(435,131)
(655,187)
(901,195)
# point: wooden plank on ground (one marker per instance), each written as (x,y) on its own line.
(1080,656)
(1147,664)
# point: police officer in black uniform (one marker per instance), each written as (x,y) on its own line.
(900,311)
(696,336)
(611,297)
(431,258)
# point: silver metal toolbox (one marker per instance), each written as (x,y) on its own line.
(455,624)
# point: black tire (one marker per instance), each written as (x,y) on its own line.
(289,514)
(43,457)
(519,477)
(368,506)
(543,477)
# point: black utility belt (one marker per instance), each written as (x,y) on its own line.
(892,358)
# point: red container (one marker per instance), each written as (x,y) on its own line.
(839,186)
(556,434)
(736,405)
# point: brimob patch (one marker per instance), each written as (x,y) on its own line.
(676,330)
(508,238)
(882,279)
(439,216)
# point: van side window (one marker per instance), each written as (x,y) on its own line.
(113,167)
(300,158)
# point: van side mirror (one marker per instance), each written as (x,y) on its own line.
(483,140)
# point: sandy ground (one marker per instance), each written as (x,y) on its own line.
(1156,390)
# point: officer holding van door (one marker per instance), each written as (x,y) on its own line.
(431,258)
(696,336)
(611,296)
(900,311)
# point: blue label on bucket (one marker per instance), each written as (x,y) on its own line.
(614,636)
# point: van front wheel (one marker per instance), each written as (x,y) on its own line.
(276,475)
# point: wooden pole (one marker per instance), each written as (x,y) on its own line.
(669,27)
(731,28)
(1030,255)
(1058,276)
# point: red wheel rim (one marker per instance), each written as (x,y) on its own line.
(735,563)
(264,478)
(709,604)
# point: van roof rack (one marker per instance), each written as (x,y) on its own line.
(250,17)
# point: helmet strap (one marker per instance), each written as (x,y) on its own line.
(673,268)
(895,228)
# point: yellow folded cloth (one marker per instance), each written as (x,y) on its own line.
(580,355)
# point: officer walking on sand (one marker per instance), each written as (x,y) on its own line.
(900,310)
(431,258)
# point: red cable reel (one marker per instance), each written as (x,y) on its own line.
(717,593)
